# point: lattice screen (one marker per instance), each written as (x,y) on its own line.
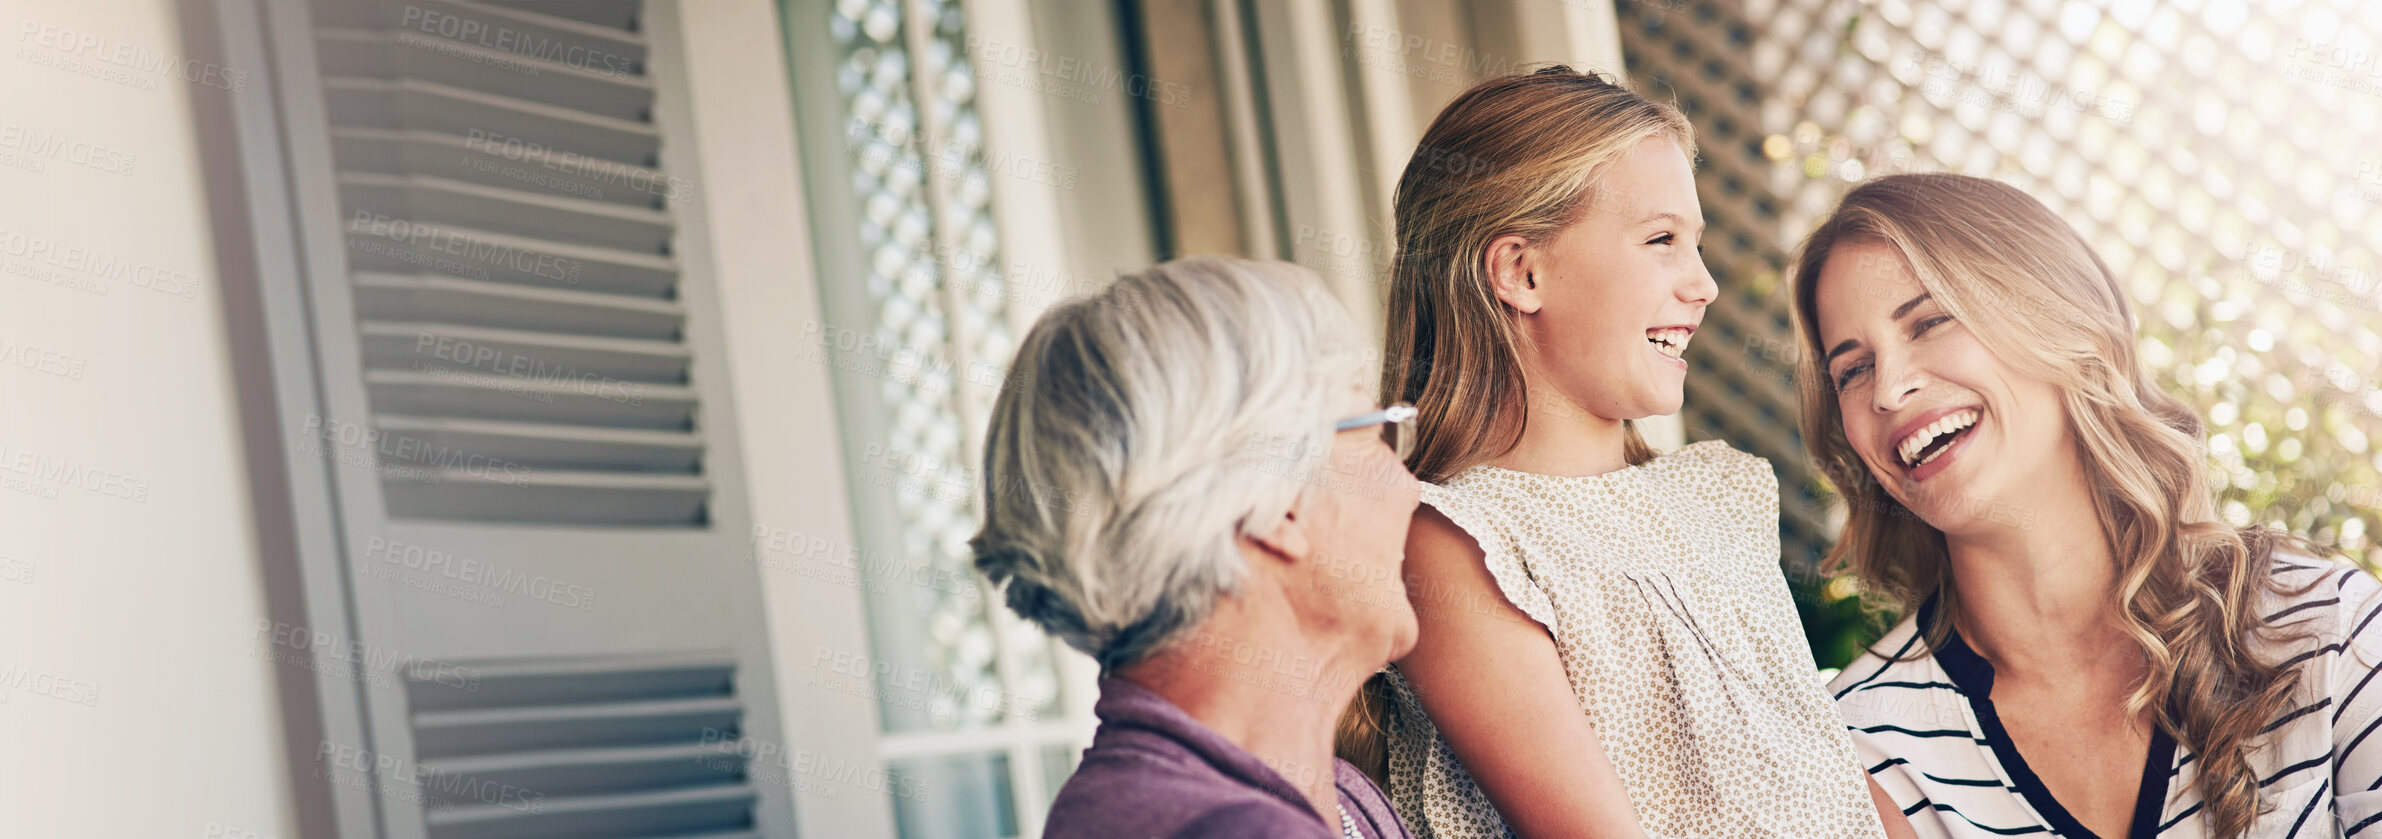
(926,224)
(2225,157)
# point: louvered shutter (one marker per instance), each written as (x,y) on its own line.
(510,247)
(524,415)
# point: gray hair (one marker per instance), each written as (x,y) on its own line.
(1141,430)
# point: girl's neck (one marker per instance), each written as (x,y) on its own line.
(1562,438)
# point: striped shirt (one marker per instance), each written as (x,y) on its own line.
(1927,731)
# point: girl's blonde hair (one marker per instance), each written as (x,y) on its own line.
(1515,155)
(2037,296)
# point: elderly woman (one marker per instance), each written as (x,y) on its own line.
(1186,480)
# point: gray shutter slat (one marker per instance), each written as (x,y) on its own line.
(546,681)
(585,772)
(515,30)
(546,496)
(611,14)
(432,58)
(520,353)
(400,105)
(395,245)
(548,445)
(481,161)
(560,398)
(539,727)
(444,298)
(547,218)
(724,808)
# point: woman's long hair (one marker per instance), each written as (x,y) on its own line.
(2037,296)
(1515,155)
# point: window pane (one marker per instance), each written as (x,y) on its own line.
(961,797)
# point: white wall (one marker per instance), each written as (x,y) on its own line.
(135,697)
(753,215)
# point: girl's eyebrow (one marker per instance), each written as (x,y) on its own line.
(1668,216)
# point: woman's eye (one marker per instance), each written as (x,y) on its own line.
(1663,239)
(1845,379)
(1931,322)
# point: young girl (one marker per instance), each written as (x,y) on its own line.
(1608,647)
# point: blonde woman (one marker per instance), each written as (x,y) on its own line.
(2087,649)
(1608,647)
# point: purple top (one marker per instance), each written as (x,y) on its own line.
(1154,771)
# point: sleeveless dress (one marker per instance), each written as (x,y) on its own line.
(1661,587)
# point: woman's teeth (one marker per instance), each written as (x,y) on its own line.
(1945,429)
(1671,342)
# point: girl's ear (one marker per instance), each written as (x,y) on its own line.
(1512,271)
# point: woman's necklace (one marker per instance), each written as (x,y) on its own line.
(1347,825)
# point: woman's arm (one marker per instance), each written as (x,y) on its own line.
(1491,680)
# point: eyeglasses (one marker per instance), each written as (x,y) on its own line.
(1393,427)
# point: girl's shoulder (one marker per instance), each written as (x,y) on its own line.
(1717,476)
(1706,476)
(1712,455)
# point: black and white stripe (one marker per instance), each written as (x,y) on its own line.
(1928,732)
